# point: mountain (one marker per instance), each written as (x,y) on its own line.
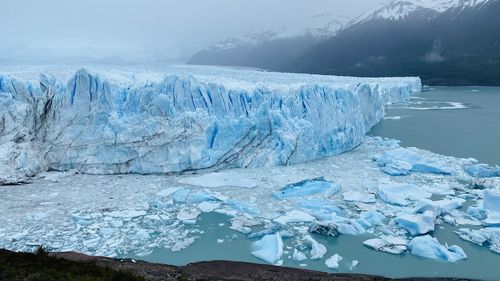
(271,49)
(446,42)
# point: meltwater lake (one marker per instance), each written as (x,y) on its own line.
(455,121)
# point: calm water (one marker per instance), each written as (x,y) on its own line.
(473,131)
(481,264)
(457,121)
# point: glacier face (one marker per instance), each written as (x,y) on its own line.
(210,119)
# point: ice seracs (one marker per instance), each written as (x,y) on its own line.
(186,121)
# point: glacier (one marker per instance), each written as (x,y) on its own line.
(287,212)
(186,120)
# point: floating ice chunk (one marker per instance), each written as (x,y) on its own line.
(321,209)
(220,179)
(269,249)
(294,217)
(440,207)
(333,261)
(354,264)
(298,255)
(351,227)
(180,196)
(142,235)
(207,207)
(324,228)
(491,204)
(476,212)
(168,191)
(389,244)
(397,168)
(483,171)
(478,237)
(247,208)
(202,196)
(318,204)
(318,250)
(401,161)
(417,224)
(364,197)
(127,214)
(242,224)
(188,214)
(307,187)
(399,193)
(429,247)
(371,218)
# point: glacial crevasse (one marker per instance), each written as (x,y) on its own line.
(184,123)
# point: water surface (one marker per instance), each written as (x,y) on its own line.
(455,121)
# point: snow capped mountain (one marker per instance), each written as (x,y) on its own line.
(426,38)
(319,26)
(400,9)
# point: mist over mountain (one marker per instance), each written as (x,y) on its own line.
(446,42)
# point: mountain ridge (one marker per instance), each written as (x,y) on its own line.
(447,42)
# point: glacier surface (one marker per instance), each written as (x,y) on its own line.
(188,119)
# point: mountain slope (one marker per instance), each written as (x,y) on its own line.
(456,47)
(271,49)
(446,42)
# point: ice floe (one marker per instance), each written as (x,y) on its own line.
(429,247)
(389,244)
(399,162)
(333,261)
(269,249)
(483,171)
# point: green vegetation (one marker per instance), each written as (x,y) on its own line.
(42,267)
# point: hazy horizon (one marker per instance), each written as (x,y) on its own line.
(37,30)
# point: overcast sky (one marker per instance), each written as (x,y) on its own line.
(148,26)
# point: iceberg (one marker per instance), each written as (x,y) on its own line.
(371,219)
(389,244)
(417,224)
(318,250)
(298,255)
(429,247)
(483,171)
(401,194)
(307,187)
(491,205)
(324,228)
(294,216)
(269,249)
(402,161)
(186,121)
(333,261)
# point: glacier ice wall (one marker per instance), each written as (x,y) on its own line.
(183,123)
